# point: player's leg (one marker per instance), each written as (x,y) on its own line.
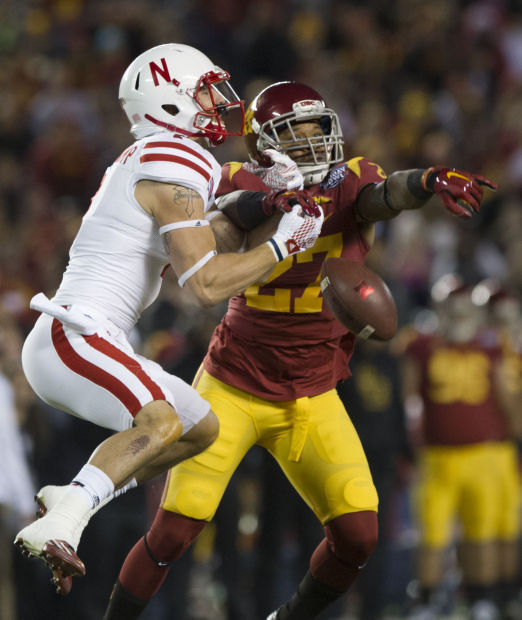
(332,475)
(508,585)
(435,506)
(103,381)
(198,433)
(486,517)
(192,494)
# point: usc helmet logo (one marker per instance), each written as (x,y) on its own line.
(249,115)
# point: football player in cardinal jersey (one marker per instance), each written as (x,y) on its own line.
(468,469)
(277,355)
(148,214)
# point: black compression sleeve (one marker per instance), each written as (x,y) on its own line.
(244,208)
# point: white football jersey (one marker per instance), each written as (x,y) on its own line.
(117,258)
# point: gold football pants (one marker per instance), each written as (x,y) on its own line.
(312,439)
(476,484)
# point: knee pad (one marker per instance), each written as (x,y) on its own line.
(350,540)
(352,537)
(171,534)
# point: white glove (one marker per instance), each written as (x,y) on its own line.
(284,174)
(295,233)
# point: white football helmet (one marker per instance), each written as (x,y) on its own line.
(176,88)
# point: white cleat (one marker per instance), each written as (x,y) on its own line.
(46,498)
(49,540)
(49,495)
(272,616)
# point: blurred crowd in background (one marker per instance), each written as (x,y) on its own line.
(415,83)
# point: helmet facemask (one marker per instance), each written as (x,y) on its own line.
(216,97)
(322,151)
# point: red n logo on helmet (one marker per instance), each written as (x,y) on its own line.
(163,71)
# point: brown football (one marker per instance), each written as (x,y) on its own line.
(359,299)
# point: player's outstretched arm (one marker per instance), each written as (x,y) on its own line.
(460,192)
(191,245)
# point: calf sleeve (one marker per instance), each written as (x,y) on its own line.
(339,558)
(147,563)
(334,566)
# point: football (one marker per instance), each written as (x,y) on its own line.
(359,299)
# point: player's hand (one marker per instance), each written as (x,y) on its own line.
(285,201)
(283,172)
(296,232)
(460,191)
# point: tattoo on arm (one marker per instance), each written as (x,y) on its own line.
(185,199)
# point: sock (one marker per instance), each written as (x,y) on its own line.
(132,484)
(123,605)
(93,484)
(147,563)
(121,491)
(310,598)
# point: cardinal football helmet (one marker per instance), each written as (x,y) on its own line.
(177,88)
(277,108)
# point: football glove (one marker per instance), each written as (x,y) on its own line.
(282,171)
(459,191)
(296,232)
(285,201)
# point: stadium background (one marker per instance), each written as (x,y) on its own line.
(415,83)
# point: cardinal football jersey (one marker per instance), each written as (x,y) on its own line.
(278,340)
(117,258)
(457,388)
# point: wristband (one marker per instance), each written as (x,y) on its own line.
(427,181)
(416,183)
(278,248)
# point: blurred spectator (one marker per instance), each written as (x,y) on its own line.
(16,495)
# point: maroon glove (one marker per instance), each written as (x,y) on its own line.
(285,200)
(460,191)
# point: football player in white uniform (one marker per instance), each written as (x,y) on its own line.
(148,215)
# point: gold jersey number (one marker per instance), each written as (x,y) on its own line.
(280,299)
(459,376)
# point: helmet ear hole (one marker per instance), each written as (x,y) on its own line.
(137,83)
(171,109)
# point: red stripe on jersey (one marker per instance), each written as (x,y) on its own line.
(179,147)
(90,371)
(108,349)
(176,160)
